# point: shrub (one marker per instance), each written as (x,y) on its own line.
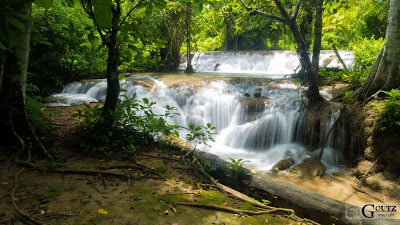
(34,109)
(390,110)
(135,123)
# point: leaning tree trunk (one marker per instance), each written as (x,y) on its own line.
(385,73)
(317,34)
(113,88)
(311,75)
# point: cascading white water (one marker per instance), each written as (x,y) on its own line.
(266,62)
(255,121)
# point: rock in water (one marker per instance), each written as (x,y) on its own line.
(283,164)
(257,94)
(310,167)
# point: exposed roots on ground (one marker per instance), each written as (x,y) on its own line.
(191,158)
(135,166)
(25,218)
(238,211)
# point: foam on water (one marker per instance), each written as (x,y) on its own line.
(258,130)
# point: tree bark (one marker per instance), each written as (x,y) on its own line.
(385,74)
(317,34)
(12,96)
(189,68)
(113,87)
(311,75)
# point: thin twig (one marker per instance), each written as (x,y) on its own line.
(237,211)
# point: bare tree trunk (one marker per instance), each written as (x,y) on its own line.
(189,68)
(113,88)
(317,34)
(14,76)
(312,77)
(385,73)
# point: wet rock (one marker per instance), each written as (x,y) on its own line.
(310,167)
(52,99)
(246,94)
(283,164)
(341,90)
(288,154)
(369,154)
(376,182)
(339,173)
(366,165)
(254,107)
(257,94)
(273,85)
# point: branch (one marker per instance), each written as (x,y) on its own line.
(237,211)
(296,10)
(130,11)
(327,136)
(263,14)
(90,12)
(338,56)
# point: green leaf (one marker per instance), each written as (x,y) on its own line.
(3,47)
(121,76)
(191,126)
(145,101)
(44,3)
(17,24)
(91,37)
(103,13)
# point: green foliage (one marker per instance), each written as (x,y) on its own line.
(389,113)
(135,123)
(237,164)
(266,202)
(365,52)
(40,124)
(63,47)
(199,134)
(349,21)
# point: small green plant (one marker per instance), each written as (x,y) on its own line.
(389,111)
(199,134)
(34,109)
(135,123)
(207,165)
(236,164)
(266,202)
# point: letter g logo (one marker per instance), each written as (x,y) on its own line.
(364,210)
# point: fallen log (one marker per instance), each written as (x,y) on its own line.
(305,203)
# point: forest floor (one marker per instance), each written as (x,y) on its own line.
(145,198)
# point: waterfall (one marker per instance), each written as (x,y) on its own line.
(260,62)
(257,118)
(260,122)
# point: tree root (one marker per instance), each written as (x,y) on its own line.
(226,189)
(136,166)
(363,190)
(266,209)
(237,211)
(327,136)
(21,215)
(82,171)
(94,186)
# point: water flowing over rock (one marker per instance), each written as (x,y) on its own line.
(265,62)
(259,129)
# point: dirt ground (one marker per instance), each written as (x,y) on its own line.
(145,198)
